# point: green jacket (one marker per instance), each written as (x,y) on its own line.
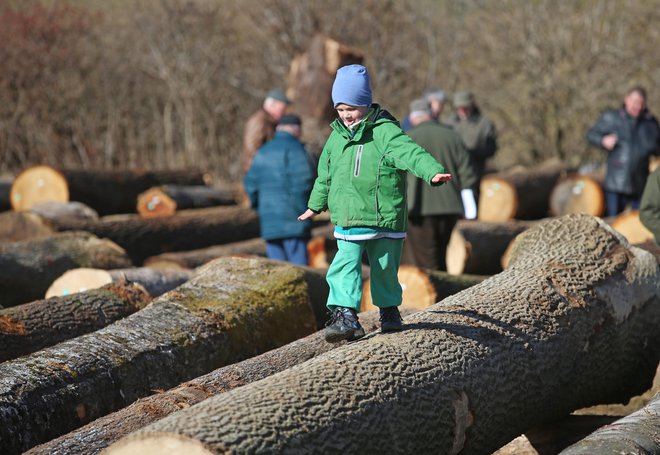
(362,178)
(447,147)
(649,210)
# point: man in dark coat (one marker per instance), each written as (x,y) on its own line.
(630,135)
(434,211)
(278,184)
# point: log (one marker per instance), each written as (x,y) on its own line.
(629,225)
(27,328)
(155,282)
(28,267)
(634,434)
(195,258)
(518,193)
(423,287)
(476,247)
(37,184)
(61,211)
(116,191)
(5,189)
(17,226)
(572,322)
(322,247)
(166,200)
(575,193)
(187,230)
(230,310)
(99,434)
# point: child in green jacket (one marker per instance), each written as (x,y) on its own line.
(362,182)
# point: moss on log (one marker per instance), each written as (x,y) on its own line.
(99,434)
(633,434)
(230,310)
(27,328)
(572,322)
(28,267)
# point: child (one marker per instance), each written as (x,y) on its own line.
(362,181)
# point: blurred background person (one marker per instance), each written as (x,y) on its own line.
(629,135)
(436,98)
(649,210)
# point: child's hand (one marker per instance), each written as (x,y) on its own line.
(441,178)
(308,214)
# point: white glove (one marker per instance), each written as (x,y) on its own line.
(469,204)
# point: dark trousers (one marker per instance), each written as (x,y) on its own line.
(292,250)
(616,203)
(426,241)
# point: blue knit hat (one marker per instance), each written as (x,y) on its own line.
(351,86)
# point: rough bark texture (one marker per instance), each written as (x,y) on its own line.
(476,247)
(27,328)
(187,230)
(166,200)
(518,193)
(155,282)
(423,287)
(27,268)
(99,434)
(62,211)
(572,322)
(195,258)
(116,191)
(231,310)
(37,184)
(17,226)
(577,194)
(636,434)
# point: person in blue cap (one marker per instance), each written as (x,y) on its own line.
(362,182)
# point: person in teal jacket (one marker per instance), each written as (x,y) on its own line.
(362,174)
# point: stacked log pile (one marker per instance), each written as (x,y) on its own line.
(573,319)
(166,200)
(230,310)
(27,268)
(194,258)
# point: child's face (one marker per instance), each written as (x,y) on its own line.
(350,115)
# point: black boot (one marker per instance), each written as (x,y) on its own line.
(344,325)
(390,319)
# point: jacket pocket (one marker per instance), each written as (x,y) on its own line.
(358,161)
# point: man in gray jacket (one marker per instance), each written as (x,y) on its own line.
(629,135)
(434,211)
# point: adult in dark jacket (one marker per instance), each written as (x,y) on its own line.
(434,211)
(649,210)
(278,184)
(477,132)
(630,135)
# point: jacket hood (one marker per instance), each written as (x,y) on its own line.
(375,116)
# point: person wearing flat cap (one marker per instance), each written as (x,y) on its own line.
(278,184)
(477,132)
(362,182)
(260,127)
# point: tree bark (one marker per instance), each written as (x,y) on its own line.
(577,193)
(571,322)
(62,211)
(27,328)
(195,258)
(166,200)
(187,230)
(634,434)
(28,267)
(99,434)
(17,226)
(232,309)
(116,191)
(477,247)
(38,184)
(518,193)
(629,225)
(423,287)
(155,282)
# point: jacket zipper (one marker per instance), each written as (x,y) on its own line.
(358,160)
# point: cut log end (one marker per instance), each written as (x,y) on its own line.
(458,253)
(154,202)
(158,444)
(498,200)
(78,280)
(629,225)
(38,184)
(577,194)
(418,290)
(316,252)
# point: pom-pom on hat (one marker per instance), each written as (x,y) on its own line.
(351,86)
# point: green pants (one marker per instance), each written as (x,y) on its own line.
(345,273)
